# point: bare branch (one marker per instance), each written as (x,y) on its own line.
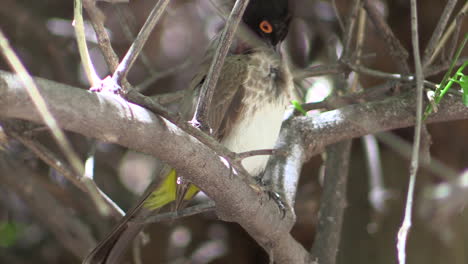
(397,51)
(207,90)
(438,31)
(112,119)
(406,225)
(333,203)
(126,64)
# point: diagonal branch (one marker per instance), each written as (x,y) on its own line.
(137,45)
(207,90)
(110,118)
(397,51)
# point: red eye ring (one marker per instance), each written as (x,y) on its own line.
(266,27)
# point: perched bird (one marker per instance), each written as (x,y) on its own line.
(249,101)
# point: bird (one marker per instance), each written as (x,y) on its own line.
(248,106)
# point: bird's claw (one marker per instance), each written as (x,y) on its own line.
(272,195)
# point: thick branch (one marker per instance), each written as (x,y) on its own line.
(109,118)
(333,203)
(368,118)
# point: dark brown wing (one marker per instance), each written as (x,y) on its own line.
(227,98)
(225,105)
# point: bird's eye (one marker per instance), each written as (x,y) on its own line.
(266,27)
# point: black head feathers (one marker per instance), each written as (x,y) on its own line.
(269,19)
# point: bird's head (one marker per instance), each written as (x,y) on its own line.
(269,19)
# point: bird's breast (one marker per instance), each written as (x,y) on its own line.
(257,129)
(267,92)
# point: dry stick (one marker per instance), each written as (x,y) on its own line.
(155,76)
(454,42)
(40,104)
(359,43)
(88,66)
(337,14)
(127,23)
(380,74)
(446,35)
(350,30)
(406,225)
(206,94)
(434,70)
(377,193)
(50,121)
(319,70)
(331,212)
(438,32)
(97,21)
(171,216)
(54,162)
(403,148)
(333,200)
(126,64)
(397,51)
(353,98)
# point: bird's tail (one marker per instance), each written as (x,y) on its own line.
(112,248)
(173,188)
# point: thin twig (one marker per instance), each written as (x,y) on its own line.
(359,43)
(380,74)
(434,70)
(126,64)
(333,203)
(444,17)
(452,47)
(127,23)
(97,21)
(88,66)
(54,162)
(403,148)
(40,104)
(155,76)
(336,102)
(189,211)
(337,14)
(207,90)
(378,194)
(446,35)
(406,225)
(319,70)
(257,152)
(397,51)
(50,121)
(350,29)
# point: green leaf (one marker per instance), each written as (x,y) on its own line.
(9,233)
(298,107)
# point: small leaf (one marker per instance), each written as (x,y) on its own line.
(9,233)
(298,107)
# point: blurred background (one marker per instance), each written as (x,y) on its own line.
(41,33)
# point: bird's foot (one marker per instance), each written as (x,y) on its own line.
(263,186)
